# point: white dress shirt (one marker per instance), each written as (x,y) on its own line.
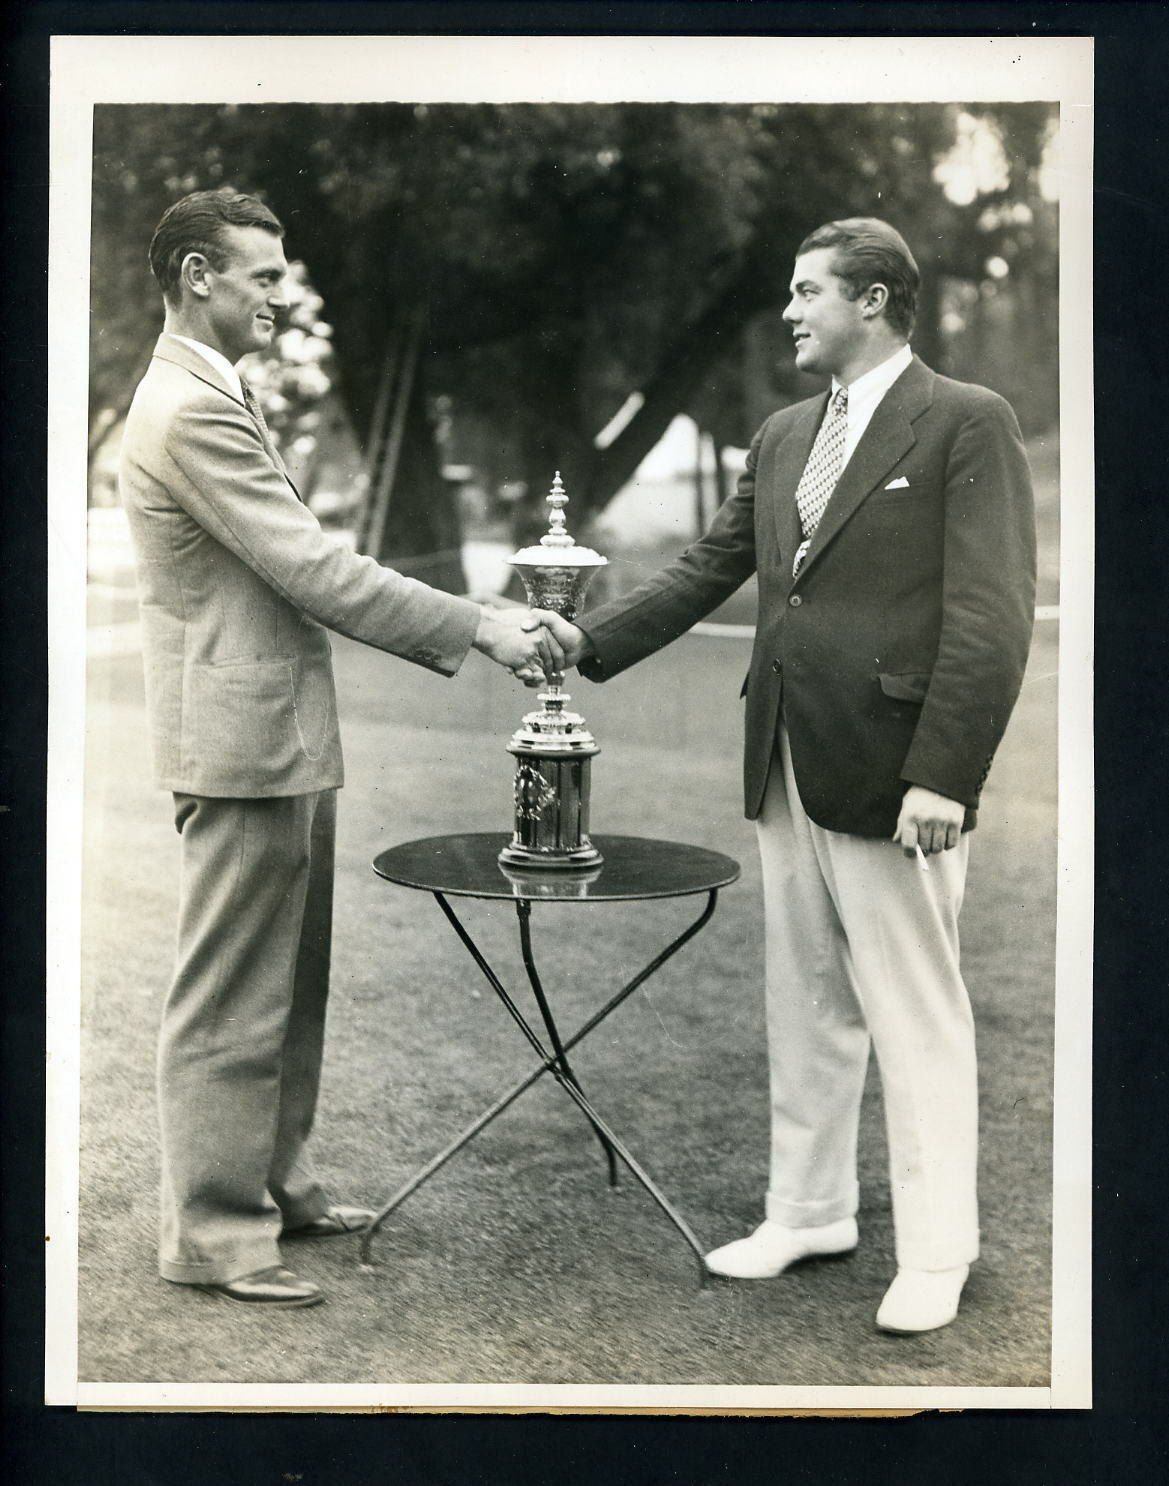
(865,394)
(220,362)
(864,397)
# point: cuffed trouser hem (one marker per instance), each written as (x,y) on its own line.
(212,1272)
(810,1214)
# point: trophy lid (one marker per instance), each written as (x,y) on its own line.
(556,546)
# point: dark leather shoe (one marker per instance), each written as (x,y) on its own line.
(334,1224)
(276,1287)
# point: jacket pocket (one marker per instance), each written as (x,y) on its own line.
(885,496)
(239,723)
(907,686)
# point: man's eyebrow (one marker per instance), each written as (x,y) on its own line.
(804,284)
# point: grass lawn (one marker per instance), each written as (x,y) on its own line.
(517,1264)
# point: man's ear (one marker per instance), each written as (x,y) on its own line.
(874,300)
(193,275)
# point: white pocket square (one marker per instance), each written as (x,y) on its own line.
(901,483)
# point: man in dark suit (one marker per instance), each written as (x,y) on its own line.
(891,525)
(238,586)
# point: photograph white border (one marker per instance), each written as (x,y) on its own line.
(86,70)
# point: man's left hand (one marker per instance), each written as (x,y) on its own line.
(928,820)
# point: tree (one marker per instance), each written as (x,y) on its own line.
(558,257)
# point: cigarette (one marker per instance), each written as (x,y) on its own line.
(925,866)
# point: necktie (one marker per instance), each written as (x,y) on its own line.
(251,402)
(253,406)
(821,471)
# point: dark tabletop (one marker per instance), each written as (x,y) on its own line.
(633,867)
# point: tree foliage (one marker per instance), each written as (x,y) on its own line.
(560,257)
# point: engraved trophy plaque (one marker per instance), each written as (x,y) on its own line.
(553,748)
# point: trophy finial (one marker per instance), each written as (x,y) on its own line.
(556,571)
(557,533)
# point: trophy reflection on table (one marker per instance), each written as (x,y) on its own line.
(552,746)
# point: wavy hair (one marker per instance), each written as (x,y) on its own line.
(196,224)
(868,251)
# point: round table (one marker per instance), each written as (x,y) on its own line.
(632,869)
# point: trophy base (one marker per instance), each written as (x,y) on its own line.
(552,859)
(550,831)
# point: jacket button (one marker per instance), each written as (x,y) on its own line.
(795,601)
(777,666)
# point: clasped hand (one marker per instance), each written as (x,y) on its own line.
(520,640)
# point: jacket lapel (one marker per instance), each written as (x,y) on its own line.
(180,354)
(888,438)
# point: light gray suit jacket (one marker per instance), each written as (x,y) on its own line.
(237,587)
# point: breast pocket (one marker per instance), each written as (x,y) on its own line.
(902,480)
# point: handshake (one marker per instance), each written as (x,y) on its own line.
(535,645)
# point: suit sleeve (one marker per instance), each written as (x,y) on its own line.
(988,605)
(668,604)
(221,475)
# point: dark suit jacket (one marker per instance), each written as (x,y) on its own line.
(899,651)
(237,586)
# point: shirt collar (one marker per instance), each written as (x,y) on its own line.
(216,359)
(874,384)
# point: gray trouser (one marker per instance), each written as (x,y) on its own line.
(242,1032)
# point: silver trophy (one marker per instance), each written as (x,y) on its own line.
(553,748)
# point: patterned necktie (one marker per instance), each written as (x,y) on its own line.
(252,404)
(821,471)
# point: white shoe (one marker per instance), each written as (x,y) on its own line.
(922,1299)
(772,1247)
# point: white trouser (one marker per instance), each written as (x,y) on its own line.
(862,943)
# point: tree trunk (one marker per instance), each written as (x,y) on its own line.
(422,533)
(699,481)
(721,488)
(927,332)
(556,440)
(387,428)
(681,372)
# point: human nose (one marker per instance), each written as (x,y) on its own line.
(791,312)
(277,297)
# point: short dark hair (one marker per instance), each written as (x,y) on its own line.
(195,224)
(869,251)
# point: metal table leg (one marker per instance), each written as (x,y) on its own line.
(555,1063)
(524,913)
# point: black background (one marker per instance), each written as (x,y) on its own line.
(1124,1437)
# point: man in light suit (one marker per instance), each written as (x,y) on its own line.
(891,525)
(238,586)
